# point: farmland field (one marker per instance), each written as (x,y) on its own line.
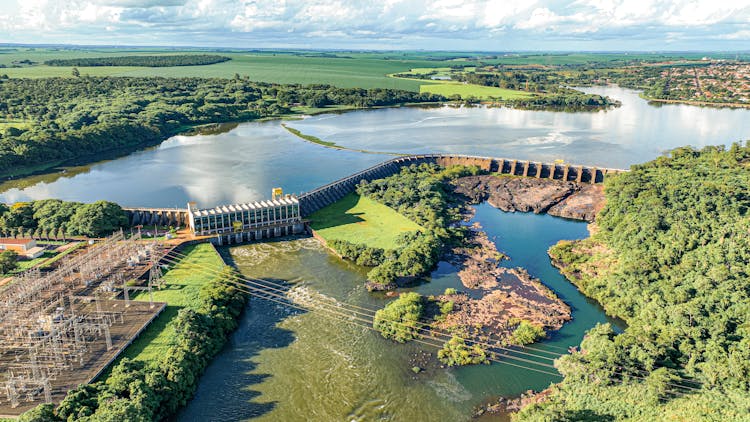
(468,90)
(358,219)
(282,68)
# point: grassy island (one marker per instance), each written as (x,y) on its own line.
(359,219)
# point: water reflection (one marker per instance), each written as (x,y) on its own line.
(243,164)
(619,137)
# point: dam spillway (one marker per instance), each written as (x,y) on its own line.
(233,223)
(332,192)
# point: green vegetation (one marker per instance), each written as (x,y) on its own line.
(418,193)
(672,258)
(354,70)
(182,290)
(56,219)
(147,61)
(8,261)
(78,117)
(402,320)
(140,390)
(31,263)
(520,87)
(399,319)
(359,219)
(468,91)
(316,140)
(527,333)
(310,138)
(456,352)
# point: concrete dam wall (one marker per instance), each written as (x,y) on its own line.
(328,194)
(157,216)
(332,192)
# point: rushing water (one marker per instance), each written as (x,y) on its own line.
(292,366)
(245,163)
(283,365)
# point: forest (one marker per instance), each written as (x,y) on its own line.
(671,257)
(153,391)
(56,219)
(71,118)
(418,193)
(146,61)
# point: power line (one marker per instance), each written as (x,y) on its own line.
(274,286)
(370,314)
(266,285)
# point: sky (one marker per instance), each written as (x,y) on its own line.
(473,25)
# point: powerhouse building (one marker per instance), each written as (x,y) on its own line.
(249,221)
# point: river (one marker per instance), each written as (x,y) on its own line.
(284,365)
(245,163)
(291,366)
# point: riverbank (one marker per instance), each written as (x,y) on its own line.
(696,103)
(512,193)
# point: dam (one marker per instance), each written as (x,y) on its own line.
(284,214)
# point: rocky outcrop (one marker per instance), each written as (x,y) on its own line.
(509,294)
(526,194)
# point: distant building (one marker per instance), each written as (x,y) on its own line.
(249,221)
(440,78)
(23,247)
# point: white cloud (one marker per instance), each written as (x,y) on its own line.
(465,22)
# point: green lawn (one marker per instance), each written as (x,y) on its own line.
(361,220)
(28,263)
(183,283)
(468,90)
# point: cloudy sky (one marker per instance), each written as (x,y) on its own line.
(491,25)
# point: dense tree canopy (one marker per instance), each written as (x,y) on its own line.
(8,261)
(75,117)
(48,217)
(147,61)
(418,192)
(672,258)
(399,319)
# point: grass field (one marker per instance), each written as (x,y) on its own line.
(363,71)
(183,283)
(361,220)
(468,90)
(29,263)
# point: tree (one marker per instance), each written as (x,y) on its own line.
(527,333)
(75,72)
(42,413)
(97,219)
(8,261)
(399,320)
(456,352)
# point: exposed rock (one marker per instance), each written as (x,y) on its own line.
(379,287)
(508,193)
(511,405)
(512,294)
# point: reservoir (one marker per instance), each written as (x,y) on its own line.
(289,365)
(245,163)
